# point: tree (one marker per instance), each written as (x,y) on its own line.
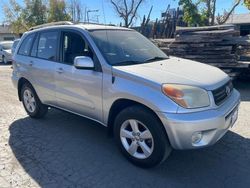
(13,15)
(191,13)
(76,10)
(127,9)
(221,19)
(57,11)
(35,12)
(247,3)
(202,12)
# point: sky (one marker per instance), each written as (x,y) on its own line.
(107,15)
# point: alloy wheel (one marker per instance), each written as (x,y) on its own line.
(137,139)
(29,100)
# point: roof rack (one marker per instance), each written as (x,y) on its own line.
(93,23)
(51,24)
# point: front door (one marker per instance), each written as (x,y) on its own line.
(78,90)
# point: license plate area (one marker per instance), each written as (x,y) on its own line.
(232,116)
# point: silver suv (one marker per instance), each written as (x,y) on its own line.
(117,77)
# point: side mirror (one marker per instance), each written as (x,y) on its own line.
(83,62)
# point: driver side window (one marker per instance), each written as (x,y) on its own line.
(74,45)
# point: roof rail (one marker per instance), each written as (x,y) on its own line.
(51,24)
(94,23)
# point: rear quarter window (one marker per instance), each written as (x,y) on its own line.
(26,45)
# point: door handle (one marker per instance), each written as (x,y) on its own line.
(31,63)
(60,70)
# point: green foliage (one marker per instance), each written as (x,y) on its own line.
(247,3)
(34,12)
(202,12)
(57,11)
(191,13)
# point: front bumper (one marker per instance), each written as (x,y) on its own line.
(213,124)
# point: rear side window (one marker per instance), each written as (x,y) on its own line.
(47,45)
(26,45)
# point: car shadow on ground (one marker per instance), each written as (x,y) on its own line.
(3,64)
(65,150)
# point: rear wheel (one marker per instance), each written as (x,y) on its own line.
(32,103)
(141,137)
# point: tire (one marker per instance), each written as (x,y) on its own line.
(152,133)
(32,103)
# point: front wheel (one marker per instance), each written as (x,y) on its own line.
(141,137)
(32,103)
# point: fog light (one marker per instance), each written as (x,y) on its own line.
(196,137)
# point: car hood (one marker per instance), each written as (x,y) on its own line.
(177,71)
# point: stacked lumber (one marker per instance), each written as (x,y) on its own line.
(243,48)
(214,45)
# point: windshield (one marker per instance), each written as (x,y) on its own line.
(125,47)
(7,46)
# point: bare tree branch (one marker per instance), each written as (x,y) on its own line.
(222,19)
(134,13)
(213,12)
(116,7)
(127,9)
(132,6)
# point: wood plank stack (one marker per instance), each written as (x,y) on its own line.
(214,45)
(243,48)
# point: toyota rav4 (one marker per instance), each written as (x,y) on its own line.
(115,76)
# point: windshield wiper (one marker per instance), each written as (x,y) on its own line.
(155,59)
(130,62)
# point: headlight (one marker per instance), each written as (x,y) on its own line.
(186,96)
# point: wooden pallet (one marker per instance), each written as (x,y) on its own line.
(219,46)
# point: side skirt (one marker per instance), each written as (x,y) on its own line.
(63,109)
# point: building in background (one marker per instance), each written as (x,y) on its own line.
(6,34)
(242,22)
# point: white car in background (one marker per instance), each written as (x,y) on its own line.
(15,43)
(5,51)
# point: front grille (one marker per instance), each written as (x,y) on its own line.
(221,94)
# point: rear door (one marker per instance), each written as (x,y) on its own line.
(43,58)
(78,90)
(23,59)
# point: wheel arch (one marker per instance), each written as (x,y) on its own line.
(121,104)
(20,84)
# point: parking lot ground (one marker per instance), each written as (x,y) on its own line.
(65,150)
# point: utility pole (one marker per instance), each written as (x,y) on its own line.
(88,11)
(85,12)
